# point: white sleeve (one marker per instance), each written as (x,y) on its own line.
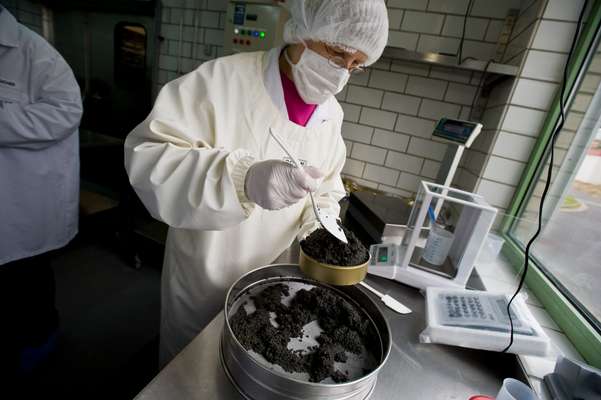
(180,177)
(52,115)
(328,196)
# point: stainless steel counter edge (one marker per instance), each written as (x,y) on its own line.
(414,370)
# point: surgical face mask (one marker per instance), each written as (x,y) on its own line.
(315,79)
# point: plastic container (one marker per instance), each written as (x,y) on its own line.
(513,389)
(438,245)
(491,248)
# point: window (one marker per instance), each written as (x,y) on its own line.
(566,258)
(569,247)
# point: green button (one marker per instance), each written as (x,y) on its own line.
(383,258)
(262,34)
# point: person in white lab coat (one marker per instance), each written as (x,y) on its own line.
(204,163)
(40,111)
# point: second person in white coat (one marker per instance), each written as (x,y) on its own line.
(204,162)
(40,111)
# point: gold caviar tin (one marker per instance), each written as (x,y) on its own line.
(332,274)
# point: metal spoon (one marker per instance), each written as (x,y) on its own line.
(391,302)
(326,220)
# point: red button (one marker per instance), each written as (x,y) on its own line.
(236,41)
(248,42)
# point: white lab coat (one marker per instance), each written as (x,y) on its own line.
(187,161)
(40,110)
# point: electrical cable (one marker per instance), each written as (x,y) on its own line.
(479,87)
(467,12)
(551,143)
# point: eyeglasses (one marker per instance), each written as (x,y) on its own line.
(337,61)
(340,63)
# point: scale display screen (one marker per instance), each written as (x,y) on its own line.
(383,255)
(239,14)
(455,130)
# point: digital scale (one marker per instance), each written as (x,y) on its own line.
(470,217)
(457,131)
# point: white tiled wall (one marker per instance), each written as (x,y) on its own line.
(371,154)
(554,35)
(516,112)
(390,140)
(513,146)
(534,93)
(525,121)
(413,97)
(390,111)
(543,65)
(437,25)
(207,44)
(418,95)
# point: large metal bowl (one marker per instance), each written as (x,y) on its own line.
(332,274)
(257,382)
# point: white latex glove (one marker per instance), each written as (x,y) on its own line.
(275,184)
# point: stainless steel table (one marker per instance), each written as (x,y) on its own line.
(413,370)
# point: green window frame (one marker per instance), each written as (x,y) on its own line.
(581,332)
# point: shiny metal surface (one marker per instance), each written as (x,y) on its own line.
(243,376)
(332,274)
(413,370)
(257,381)
(290,255)
(449,61)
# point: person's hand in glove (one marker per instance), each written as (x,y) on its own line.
(275,184)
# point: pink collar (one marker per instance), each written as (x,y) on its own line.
(299,112)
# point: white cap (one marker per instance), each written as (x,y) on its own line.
(352,24)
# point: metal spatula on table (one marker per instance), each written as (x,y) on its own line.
(326,220)
(390,301)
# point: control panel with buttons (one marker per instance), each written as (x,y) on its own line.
(246,36)
(252,26)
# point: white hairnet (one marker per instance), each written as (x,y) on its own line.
(355,24)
